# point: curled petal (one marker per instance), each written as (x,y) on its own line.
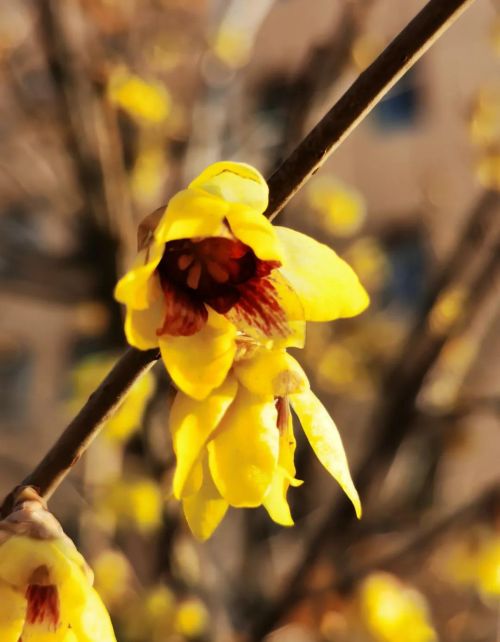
(244,453)
(255,230)
(137,288)
(324,437)
(192,423)
(191,213)
(327,286)
(205,509)
(271,372)
(199,363)
(235,183)
(275,501)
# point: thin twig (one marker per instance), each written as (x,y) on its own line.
(348,112)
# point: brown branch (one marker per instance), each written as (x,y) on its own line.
(356,103)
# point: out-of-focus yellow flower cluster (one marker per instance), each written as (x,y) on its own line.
(340,209)
(476,563)
(152,614)
(87,374)
(147,101)
(393,611)
(485,134)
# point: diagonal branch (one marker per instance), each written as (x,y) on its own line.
(326,136)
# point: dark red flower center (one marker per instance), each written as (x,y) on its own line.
(210,271)
(43,605)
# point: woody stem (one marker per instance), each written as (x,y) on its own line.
(308,156)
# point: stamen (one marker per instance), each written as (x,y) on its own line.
(283,407)
(194,274)
(43,605)
(184,261)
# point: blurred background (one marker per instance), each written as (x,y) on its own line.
(108,107)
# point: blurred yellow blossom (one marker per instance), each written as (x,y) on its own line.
(191,618)
(232,45)
(46,590)
(341,209)
(148,101)
(447,310)
(365,49)
(488,170)
(112,577)
(476,562)
(136,501)
(370,262)
(393,611)
(87,375)
(149,173)
(485,117)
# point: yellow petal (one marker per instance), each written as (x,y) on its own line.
(12,613)
(255,230)
(271,372)
(325,440)
(326,285)
(191,424)
(199,363)
(141,325)
(191,213)
(204,510)
(92,623)
(275,501)
(137,288)
(235,183)
(244,454)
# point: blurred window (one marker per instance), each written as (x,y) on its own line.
(400,108)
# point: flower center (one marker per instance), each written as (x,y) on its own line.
(43,605)
(209,269)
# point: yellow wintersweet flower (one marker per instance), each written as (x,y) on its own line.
(393,612)
(84,378)
(236,447)
(147,101)
(211,267)
(341,209)
(477,563)
(46,592)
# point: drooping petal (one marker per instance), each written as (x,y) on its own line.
(12,613)
(191,213)
(137,288)
(325,440)
(269,309)
(204,510)
(251,227)
(235,183)
(192,423)
(275,501)
(244,453)
(198,364)
(271,372)
(92,623)
(327,286)
(141,325)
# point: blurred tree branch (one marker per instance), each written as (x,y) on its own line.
(355,104)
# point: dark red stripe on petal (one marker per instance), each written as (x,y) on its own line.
(43,605)
(184,315)
(259,308)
